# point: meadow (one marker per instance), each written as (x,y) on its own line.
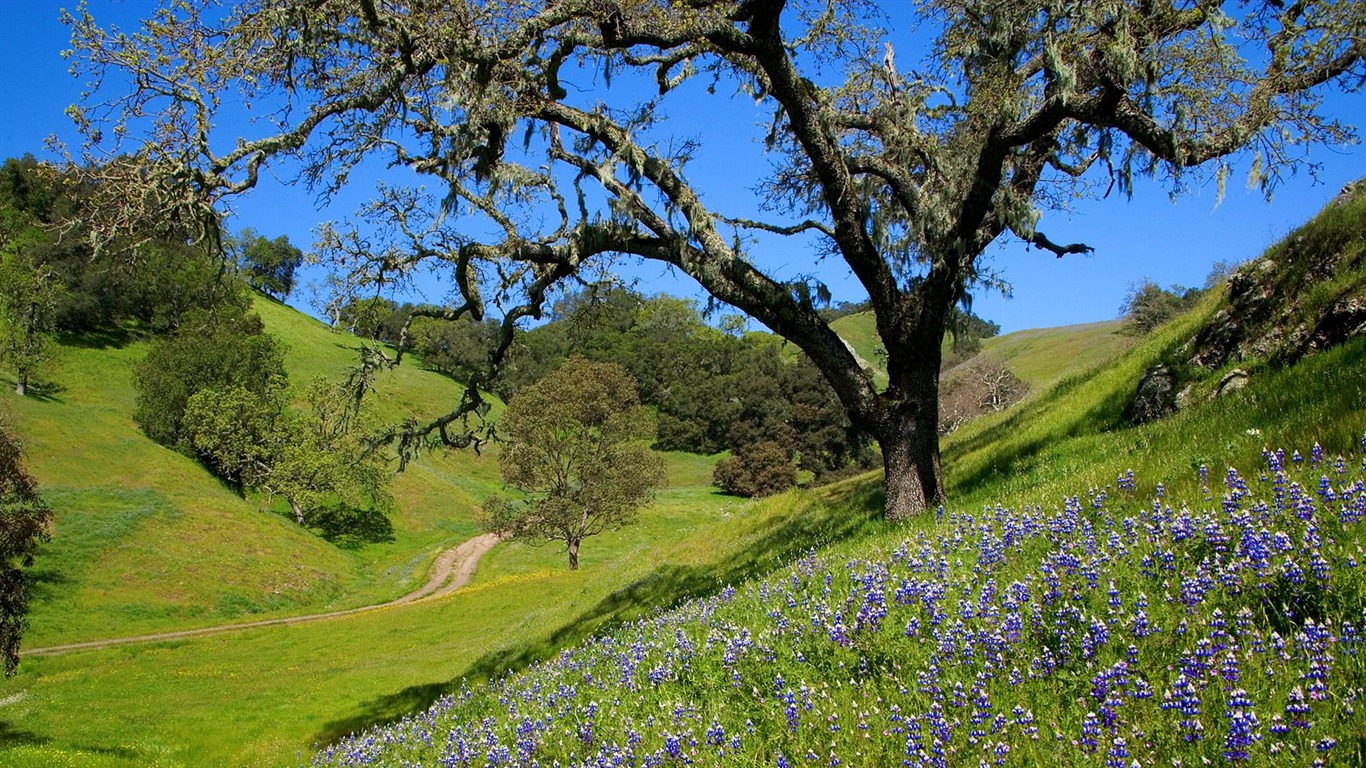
(1124,627)
(998,631)
(1188,596)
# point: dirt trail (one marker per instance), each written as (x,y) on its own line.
(452,570)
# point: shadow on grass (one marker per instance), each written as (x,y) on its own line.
(39,390)
(351,527)
(45,584)
(851,509)
(102,338)
(1003,456)
(14,737)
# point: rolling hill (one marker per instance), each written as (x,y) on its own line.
(146,540)
(270,696)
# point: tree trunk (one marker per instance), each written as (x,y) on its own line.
(907,428)
(573,546)
(910,462)
(21,389)
(296,509)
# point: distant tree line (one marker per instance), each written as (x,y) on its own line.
(1148,305)
(53,281)
(712,387)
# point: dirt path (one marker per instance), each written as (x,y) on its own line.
(452,570)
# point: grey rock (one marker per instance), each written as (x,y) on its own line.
(1156,396)
(1232,381)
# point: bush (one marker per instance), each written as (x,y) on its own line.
(208,351)
(762,469)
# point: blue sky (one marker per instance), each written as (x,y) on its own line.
(1146,237)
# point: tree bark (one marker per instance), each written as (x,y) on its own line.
(910,462)
(573,546)
(21,389)
(907,423)
(296,509)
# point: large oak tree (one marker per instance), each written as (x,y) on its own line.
(904,165)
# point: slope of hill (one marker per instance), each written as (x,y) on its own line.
(146,540)
(258,698)
(908,643)
(1039,357)
(1096,593)
(264,696)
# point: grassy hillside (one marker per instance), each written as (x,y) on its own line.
(859,331)
(269,696)
(263,697)
(145,540)
(1039,357)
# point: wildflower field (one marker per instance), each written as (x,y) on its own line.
(1121,627)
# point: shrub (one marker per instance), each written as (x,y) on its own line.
(761,469)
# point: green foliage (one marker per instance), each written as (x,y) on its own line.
(149,273)
(254,440)
(371,318)
(760,469)
(577,444)
(455,348)
(712,391)
(24,521)
(1148,305)
(29,294)
(173,280)
(208,351)
(267,265)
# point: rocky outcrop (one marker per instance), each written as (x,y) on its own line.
(1305,295)
(1287,304)
(1156,396)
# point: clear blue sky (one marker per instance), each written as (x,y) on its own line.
(1149,236)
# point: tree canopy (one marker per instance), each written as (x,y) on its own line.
(904,166)
(267,265)
(24,520)
(577,446)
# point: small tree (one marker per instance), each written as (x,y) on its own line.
(267,265)
(254,440)
(981,386)
(1149,305)
(228,348)
(577,444)
(24,522)
(28,301)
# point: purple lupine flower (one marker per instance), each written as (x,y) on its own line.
(1242,726)
(1228,668)
(1119,749)
(1297,709)
(1090,729)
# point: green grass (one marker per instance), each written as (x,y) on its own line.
(189,552)
(993,450)
(265,696)
(859,331)
(1041,357)
(146,541)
